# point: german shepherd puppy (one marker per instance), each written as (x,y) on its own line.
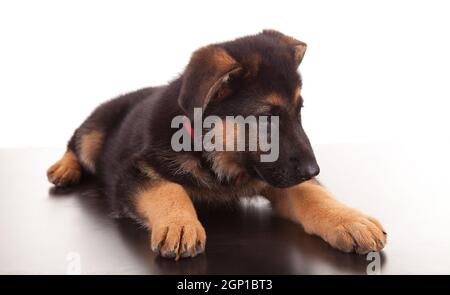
(126,144)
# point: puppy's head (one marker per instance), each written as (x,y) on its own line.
(253,76)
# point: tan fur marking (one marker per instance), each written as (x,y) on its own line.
(220,64)
(275,99)
(342,227)
(189,165)
(216,56)
(149,171)
(90,145)
(175,229)
(66,171)
(297,92)
(226,165)
(222,58)
(229,135)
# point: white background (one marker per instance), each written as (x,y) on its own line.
(374,70)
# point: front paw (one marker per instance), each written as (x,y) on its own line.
(178,238)
(352,231)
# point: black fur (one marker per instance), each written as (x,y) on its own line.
(137,125)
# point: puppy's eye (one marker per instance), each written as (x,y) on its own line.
(228,79)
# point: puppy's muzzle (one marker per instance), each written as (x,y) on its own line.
(304,170)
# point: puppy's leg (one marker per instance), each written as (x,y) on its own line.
(66,171)
(86,144)
(175,229)
(82,152)
(319,213)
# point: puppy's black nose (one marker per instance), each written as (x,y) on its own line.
(311,170)
(308,171)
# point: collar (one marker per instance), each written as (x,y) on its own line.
(187,125)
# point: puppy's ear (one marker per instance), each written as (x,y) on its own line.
(207,78)
(299,47)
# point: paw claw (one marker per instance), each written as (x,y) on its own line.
(352,231)
(178,239)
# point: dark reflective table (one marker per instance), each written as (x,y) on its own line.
(404,186)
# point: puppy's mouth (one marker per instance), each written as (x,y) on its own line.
(258,173)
